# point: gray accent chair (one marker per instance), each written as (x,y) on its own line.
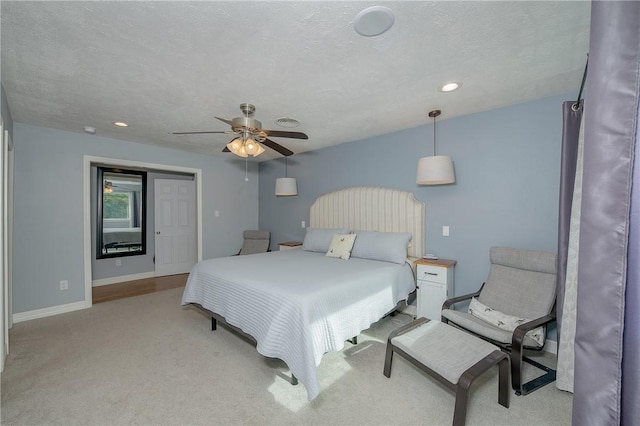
(255,242)
(521,283)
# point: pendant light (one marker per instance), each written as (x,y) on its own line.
(286,186)
(436,169)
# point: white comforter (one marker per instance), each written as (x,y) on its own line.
(298,305)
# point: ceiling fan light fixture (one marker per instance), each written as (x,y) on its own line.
(251,147)
(237,147)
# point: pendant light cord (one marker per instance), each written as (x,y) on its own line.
(435,113)
(434,136)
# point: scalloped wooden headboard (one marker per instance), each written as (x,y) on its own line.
(371,208)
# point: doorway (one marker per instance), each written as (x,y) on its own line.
(90,161)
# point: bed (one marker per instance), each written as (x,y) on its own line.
(299,304)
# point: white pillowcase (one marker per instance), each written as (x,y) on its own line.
(319,239)
(503,321)
(383,246)
(341,245)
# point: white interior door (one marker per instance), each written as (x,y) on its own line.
(175,226)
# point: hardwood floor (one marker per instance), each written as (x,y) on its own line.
(106,293)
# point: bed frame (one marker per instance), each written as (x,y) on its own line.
(363,208)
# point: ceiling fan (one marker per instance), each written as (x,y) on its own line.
(250,135)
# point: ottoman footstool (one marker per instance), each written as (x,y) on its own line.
(451,356)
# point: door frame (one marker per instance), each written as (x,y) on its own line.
(88,161)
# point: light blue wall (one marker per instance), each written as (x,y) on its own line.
(507,164)
(48,207)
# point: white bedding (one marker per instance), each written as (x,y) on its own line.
(297,304)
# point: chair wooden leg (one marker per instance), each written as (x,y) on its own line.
(460,410)
(213,324)
(503,382)
(388,359)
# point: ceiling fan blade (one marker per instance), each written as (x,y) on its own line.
(194,133)
(277,147)
(229,122)
(285,134)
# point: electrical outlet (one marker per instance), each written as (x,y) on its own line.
(64,285)
(118,262)
(216,213)
(304,225)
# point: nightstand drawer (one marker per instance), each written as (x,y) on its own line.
(436,274)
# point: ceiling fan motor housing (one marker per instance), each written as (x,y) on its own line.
(241,123)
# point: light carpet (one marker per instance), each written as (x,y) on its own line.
(147,360)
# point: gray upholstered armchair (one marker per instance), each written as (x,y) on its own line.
(519,294)
(255,242)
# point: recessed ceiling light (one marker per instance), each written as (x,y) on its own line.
(373,21)
(120,124)
(450,87)
(90,130)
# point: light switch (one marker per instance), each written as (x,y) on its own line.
(445,231)
(304,225)
(216,213)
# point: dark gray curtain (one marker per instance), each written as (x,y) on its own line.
(631,342)
(606,319)
(571,118)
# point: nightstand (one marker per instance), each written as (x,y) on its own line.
(289,245)
(434,279)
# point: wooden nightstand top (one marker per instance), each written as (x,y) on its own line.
(447,263)
(290,244)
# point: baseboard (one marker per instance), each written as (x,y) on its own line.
(122,278)
(551,346)
(47,312)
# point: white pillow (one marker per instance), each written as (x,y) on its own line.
(319,239)
(341,245)
(503,321)
(383,246)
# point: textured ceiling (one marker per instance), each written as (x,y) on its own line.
(173,66)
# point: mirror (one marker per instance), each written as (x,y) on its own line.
(121,208)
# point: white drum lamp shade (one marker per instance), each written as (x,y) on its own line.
(286,186)
(435,170)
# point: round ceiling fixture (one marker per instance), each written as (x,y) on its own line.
(373,21)
(287,122)
(450,87)
(120,124)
